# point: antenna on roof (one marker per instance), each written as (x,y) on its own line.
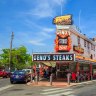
(61,7)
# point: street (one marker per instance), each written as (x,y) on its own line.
(7,89)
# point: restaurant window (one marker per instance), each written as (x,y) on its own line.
(88,45)
(78,40)
(84,43)
(91,46)
(91,56)
(94,47)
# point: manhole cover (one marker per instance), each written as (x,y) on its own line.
(28,93)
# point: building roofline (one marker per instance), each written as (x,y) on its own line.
(74,29)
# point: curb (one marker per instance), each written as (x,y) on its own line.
(87,82)
(58,85)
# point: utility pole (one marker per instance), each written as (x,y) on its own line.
(10,58)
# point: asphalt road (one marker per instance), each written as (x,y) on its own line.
(7,89)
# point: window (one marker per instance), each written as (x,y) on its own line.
(94,47)
(78,40)
(84,43)
(88,45)
(91,47)
(91,56)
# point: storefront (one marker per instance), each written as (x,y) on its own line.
(73,51)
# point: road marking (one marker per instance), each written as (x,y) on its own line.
(68,93)
(56,91)
(64,93)
(52,89)
(6,87)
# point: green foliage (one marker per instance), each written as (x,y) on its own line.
(20,58)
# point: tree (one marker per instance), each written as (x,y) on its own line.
(4,57)
(20,58)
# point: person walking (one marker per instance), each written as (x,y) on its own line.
(68,77)
(73,77)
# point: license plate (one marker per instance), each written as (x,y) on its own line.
(17,76)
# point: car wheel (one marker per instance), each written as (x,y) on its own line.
(11,82)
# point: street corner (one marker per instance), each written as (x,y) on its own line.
(31,83)
(38,84)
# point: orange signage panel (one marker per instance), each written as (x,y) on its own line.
(63,20)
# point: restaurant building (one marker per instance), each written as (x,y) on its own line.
(69,39)
(72,50)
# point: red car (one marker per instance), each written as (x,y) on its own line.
(4,74)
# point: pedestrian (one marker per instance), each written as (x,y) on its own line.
(77,76)
(73,77)
(68,77)
(33,76)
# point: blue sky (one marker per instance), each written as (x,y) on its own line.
(31,21)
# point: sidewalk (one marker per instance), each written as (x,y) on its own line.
(58,84)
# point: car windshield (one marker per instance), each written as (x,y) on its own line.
(19,72)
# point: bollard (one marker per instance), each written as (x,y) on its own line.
(91,77)
(36,79)
(51,79)
(31,77)
(78,79)
(68,78)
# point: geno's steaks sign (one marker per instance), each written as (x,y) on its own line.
(53,57)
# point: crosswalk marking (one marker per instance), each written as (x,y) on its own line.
(56,91)
(71,95)
(68,93)
(51,89)
(6,87)
(65,93)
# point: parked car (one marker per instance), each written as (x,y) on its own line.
(4,74)
(19,76)
(28,70)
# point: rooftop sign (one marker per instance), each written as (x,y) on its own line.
(53,57)
(63,20)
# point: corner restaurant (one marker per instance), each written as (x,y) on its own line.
(72,51)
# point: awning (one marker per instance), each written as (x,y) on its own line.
(53,64)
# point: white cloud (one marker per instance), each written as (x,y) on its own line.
(35,38)
(37,42)
(59,2)
(48,30)
(43,31)
(43,10)
(46,8)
